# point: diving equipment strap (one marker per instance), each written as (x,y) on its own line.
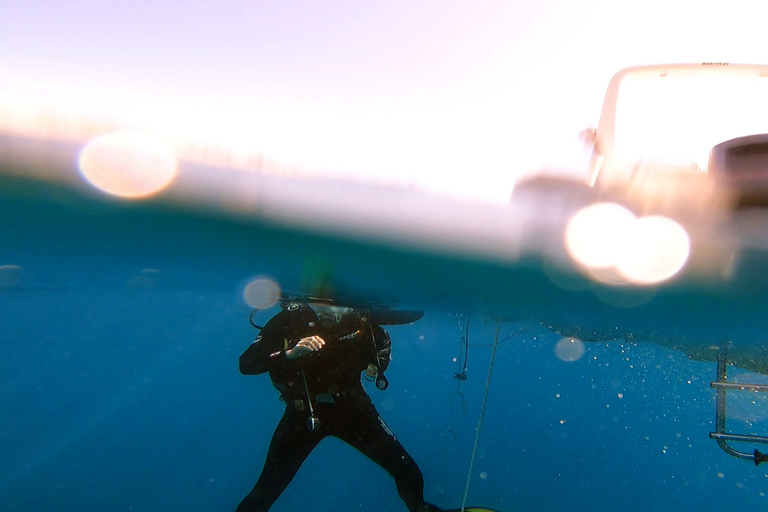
(313,423)
(381,381)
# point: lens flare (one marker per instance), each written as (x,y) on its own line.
(594,236)
(570,349)
(262,293)
(615,248)
(657,250)
(128,164)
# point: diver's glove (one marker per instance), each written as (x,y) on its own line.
(305,346)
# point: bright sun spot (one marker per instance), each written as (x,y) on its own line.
(680,116)
(644,251)
(594,235)
(657,250)
(128,164)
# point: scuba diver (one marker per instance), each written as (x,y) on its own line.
(315,354)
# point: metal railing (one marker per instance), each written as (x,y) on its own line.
(720,434)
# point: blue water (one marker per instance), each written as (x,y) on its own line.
(120,389)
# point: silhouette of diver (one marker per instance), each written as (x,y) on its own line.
(315,354)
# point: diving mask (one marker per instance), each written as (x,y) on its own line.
(327,315)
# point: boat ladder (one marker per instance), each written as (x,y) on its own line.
(720,434)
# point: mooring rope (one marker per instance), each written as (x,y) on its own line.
(482,412)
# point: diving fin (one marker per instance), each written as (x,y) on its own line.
(376,313)
(392,316)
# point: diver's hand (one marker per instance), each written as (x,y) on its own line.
(305,346)
(372,371)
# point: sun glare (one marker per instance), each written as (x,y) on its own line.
(422,146)
(616,248)
(657,250)
(594,236)
(128,164)
(680,117)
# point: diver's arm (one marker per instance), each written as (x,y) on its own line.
(261,356)
(268,349)
(282,340)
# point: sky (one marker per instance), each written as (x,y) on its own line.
(443,95)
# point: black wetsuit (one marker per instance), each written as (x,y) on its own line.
(339,402)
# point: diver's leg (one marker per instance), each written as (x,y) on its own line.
(367,432)
(291,444)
